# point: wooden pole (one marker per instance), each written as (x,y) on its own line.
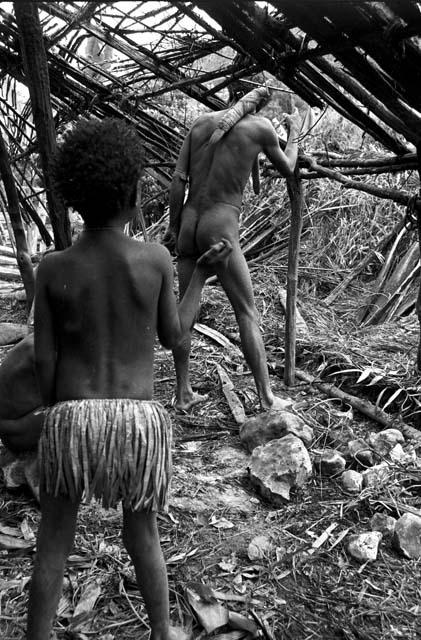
(22,253)
(295,192)
(36,72)
(417,211)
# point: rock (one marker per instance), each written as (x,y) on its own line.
(397,454)
(259,548)
(329,462)
(407,537)
(376,475)
(360,451)
(269,426)
(352,481)
(279,466)
(364,546)
(383,523)
(385,440)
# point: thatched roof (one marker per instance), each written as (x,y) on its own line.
(363,58)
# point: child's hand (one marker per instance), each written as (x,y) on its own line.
(216,255)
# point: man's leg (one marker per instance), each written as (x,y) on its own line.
(55,539)
(185,397)
(236,281)
(141,539)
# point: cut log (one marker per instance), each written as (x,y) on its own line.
(231,397)
(363,406)
(216,336)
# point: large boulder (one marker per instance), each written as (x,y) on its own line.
(277,467)
(269,426)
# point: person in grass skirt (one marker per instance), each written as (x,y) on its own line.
(98,307)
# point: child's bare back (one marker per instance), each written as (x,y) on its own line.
(104,293)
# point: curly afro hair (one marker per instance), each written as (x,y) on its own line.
(97,168)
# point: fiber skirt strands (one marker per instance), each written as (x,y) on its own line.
(112,449)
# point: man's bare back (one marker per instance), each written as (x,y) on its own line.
(218,175)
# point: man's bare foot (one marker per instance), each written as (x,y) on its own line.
(190,400)
(279,404)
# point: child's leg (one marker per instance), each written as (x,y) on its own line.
(55,539)
(141,539)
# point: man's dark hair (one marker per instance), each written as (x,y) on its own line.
(97,168)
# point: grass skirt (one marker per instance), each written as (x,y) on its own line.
(112,449)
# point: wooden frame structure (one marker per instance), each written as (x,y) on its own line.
(360,57)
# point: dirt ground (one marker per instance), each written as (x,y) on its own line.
(295,591)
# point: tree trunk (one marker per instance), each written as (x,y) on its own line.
(36,71)
(22,254)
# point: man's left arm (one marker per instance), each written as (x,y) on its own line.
(44,335)
(286,160)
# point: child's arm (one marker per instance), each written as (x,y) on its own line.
(173,322)
(44,337)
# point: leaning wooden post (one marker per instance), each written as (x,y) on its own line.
(295,192)
(22,253)
(36,73)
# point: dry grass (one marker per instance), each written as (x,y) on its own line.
(317,595)
(296,591)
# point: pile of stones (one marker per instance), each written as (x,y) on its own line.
(282,459)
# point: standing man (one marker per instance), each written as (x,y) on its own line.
(215,161)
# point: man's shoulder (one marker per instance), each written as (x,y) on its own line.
(259,128)
(257,122)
